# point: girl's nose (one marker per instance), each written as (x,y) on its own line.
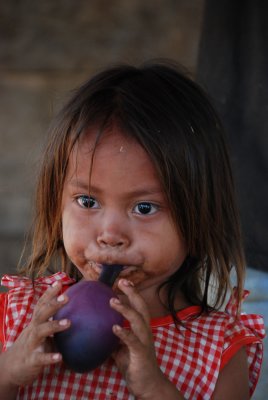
(106,239)
(113,233)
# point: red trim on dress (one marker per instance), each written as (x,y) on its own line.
(3,301)
(167,319)
(237,343)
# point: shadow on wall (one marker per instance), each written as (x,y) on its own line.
(47,50)
(236,77)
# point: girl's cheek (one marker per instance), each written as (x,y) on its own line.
(136,277)
(73,234)
(88,273)
(74,249)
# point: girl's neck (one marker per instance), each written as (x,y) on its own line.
(157,303)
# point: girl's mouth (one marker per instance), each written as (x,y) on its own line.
(126,270)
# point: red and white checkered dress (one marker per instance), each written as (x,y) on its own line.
(191,357)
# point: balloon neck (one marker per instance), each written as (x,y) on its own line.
(109,273)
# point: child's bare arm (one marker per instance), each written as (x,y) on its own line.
(31,352)
(233,381)
(136,358)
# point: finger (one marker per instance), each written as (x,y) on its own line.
(129,339)
(49,303)
(134,298)
(40,359)
(51,292)
(48,329)
(138,325)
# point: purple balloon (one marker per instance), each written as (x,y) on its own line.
(90,340)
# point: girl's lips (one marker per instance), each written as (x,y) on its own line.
(125,271)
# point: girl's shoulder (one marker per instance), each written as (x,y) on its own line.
(241,330)
(208,341)
(229,324)
(216,336)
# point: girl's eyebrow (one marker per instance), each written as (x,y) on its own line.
(78,184)
(144,192)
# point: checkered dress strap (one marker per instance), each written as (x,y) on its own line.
(247,330)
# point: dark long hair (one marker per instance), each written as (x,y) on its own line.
(174,121)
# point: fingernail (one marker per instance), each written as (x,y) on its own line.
(114,300)
(54,284)
(117,328)
(63,322)
(56,357)
(61,298)
(125,282)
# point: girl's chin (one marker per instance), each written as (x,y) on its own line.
(90,276)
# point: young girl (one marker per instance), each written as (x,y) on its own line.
(136,173)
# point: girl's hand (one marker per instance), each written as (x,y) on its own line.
(136,358)
(32,350)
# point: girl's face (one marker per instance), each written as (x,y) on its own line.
(124,218)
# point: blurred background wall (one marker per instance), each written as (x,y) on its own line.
(49,47)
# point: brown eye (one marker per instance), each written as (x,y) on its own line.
(87,202)
(145,208)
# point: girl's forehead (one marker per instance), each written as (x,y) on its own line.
(113,161)
(110,142)
(113,147)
